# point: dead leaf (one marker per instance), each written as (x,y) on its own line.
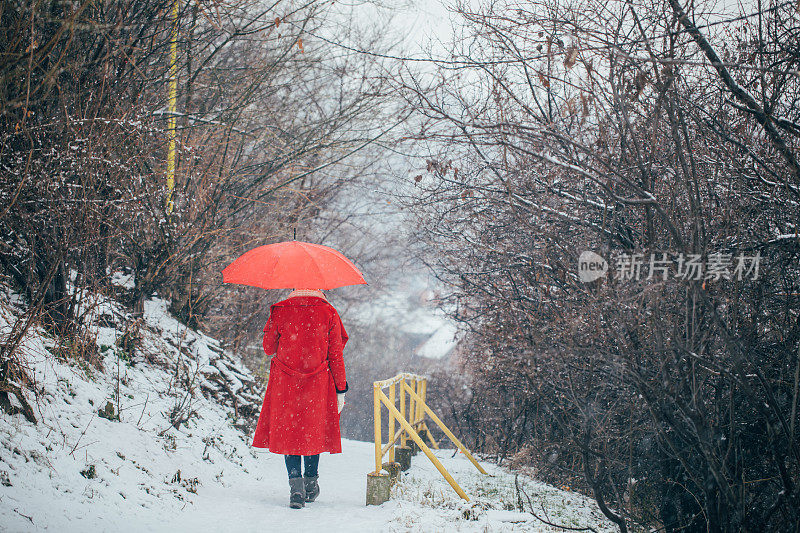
(544,80)
(571,57)
(639,83)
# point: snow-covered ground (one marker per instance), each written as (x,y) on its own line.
(79,471)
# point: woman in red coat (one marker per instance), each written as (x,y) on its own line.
(305,392)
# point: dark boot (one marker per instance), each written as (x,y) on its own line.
(312,488)
(297,493)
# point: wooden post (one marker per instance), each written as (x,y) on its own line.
(403,408)
(378,487)
(418,403)
(424,426)
(403,457)
(417,389)
(421,388)
(391,424)
(376,392)
(413,410)
(394,471)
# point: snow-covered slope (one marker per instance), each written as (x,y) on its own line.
(81,469)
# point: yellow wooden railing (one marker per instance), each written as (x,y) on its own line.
(410,416)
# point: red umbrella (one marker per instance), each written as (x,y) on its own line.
(293,265)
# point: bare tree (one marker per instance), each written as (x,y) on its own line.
(625,128)
(267,122)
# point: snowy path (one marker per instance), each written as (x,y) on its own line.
(259,502)
(76,471)
(421,502)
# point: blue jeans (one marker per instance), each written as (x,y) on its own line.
(311,462)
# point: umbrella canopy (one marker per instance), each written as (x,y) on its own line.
(293,265)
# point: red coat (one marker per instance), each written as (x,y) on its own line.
(299,415)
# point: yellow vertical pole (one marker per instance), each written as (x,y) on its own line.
(417,403)
(424,425)
(391,424)
(424,399)
(173,104)
(403,408)
(411,409)
(376,390)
